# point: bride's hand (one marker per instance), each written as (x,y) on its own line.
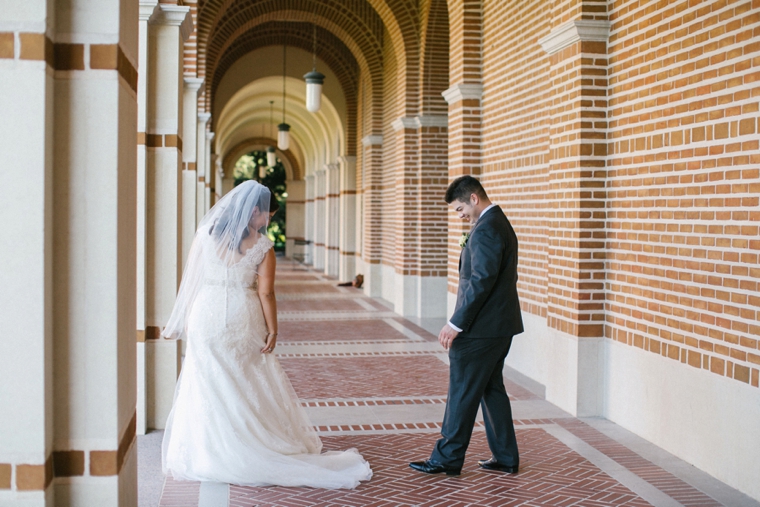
(271,343)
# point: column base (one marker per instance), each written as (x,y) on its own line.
(571,368)
(420,296)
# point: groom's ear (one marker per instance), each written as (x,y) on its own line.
(474,199)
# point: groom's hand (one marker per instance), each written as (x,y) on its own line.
(446,336)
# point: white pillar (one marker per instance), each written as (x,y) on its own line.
(332,218)
(296,222)
(202,167)
(189,162)
(319,219)
(347,218)
(210,173)
(26,250)
(170,27)
(148,9)
(310,208)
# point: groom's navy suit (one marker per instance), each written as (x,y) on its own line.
(488,313)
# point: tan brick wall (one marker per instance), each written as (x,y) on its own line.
(684,183)
(630,172)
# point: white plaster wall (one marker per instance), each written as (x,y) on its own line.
(705,419)
(389,284)
(549,358)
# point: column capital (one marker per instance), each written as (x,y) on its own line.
(194,84)
(204,117)
(210,136)
(463,91)
(175,15)
(432,120)
(404,123)
(374,140)
(148,9)
(574,31)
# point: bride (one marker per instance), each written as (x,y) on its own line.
(236,418)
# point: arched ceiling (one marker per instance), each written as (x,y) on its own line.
(316,138)
(360,25)
(342,69)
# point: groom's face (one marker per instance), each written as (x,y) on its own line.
(464,210)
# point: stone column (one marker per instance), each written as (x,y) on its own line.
(347,218)
(319,219)
(169,29)
(67,277)
(27,248)
(202,167)
(420,263)
(148,10)
(332,218)
(372,168)
(296,222)
(577,186)
(464,150)
(210,173)
(189,162)
(309,233)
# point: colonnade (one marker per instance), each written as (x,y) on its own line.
(174,191)
(331,218)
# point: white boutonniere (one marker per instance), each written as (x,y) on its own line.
(463,239)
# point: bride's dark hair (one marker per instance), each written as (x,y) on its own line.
(230,216)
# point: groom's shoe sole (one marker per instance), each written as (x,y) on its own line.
(433,467)
(492,465)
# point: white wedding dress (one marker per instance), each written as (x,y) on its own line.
(236,418)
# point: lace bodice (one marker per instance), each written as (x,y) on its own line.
(241,274)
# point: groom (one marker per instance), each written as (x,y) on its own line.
(478,336)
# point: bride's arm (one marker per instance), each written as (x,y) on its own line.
(268,301)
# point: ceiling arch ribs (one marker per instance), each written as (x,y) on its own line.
(357,25)
(332,52)
(397,18)
(434,57)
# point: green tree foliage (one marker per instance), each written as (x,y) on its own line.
(248,168)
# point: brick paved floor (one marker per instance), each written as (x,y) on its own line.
(354,369)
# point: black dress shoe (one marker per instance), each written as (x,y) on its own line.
(492,464)
(431,466)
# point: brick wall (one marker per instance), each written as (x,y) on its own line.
(630,172)
(683,183)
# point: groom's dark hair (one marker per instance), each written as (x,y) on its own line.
(462,188)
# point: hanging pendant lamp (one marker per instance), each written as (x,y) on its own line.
(314,81)
(271,154)
(283,129)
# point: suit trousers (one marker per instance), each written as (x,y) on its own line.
(475,378)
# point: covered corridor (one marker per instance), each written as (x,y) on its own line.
(620,137)
(376,381)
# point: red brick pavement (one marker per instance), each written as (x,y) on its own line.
(551,475)
(338,330)
(320,305)
(367,377)
(310,288)
(659,478)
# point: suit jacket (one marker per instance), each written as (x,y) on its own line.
(487,302)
